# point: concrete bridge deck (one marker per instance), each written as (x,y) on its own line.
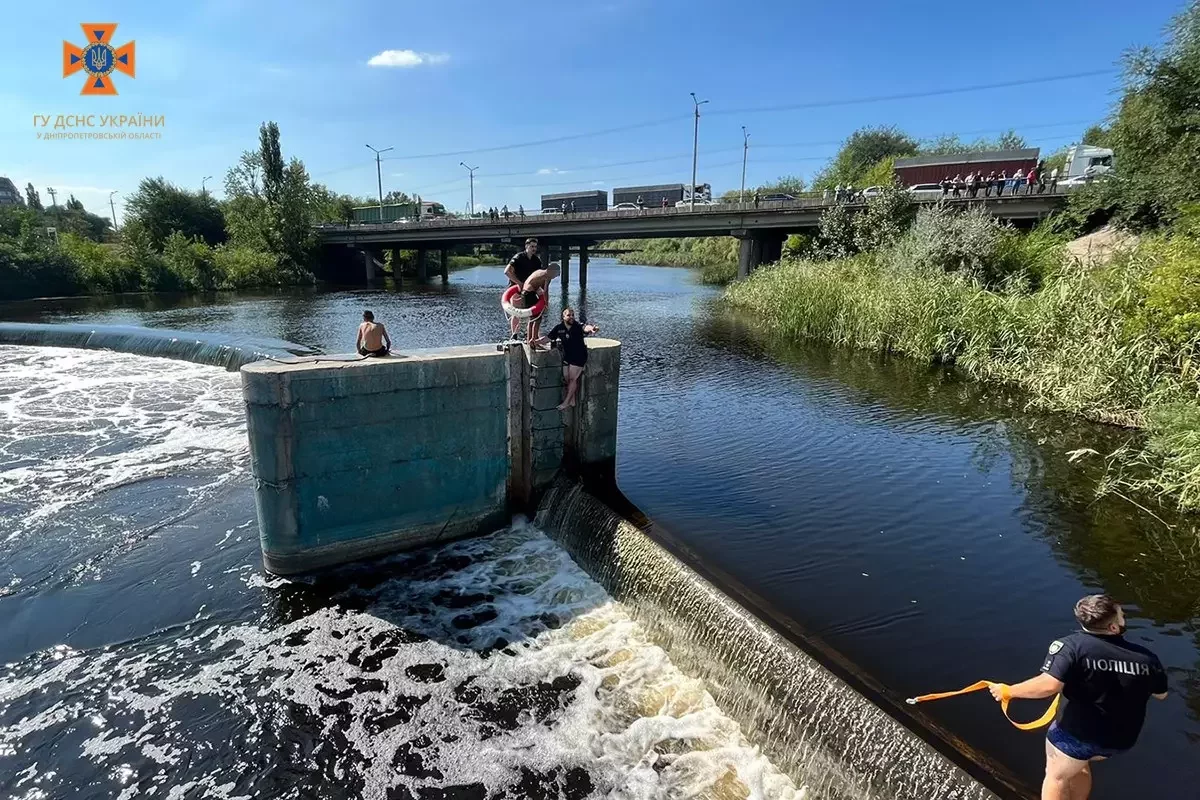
(762,227)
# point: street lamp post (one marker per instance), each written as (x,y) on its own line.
(204,180)
(379,176)
(471,172)
(745,148)
(695,144)
(113,208)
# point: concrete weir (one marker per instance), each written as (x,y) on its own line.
(355,458)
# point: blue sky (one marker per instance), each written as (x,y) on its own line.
(466,75)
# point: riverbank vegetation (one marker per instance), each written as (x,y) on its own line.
(715,256)
(174,239)
(1114,339)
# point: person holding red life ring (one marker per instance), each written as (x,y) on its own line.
(533,291)
(519,268)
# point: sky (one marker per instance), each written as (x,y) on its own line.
(477,82)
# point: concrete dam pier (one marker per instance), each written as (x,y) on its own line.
(356,458)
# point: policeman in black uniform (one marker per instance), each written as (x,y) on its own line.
(1106,682)
(519,268)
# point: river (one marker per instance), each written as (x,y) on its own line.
(930,529)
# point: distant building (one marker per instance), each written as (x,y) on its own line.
(10,195)
(584,201)
(931,169)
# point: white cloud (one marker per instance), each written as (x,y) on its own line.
(406,59)
(551,171)
(599,183)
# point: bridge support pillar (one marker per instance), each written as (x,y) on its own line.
(583,264)
(397,269)
(422,258)
(749,256)
(369,265)
(445,265)
(566,267)
(757,248)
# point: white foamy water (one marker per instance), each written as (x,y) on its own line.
(487,668)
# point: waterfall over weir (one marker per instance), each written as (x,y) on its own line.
(818,726)
(217,350)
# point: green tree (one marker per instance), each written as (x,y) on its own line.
(270,205)
(1097,136)
(864,149)
(73,204)
(887,217)
(1156,131)
(32,198)
(836,233)
(163,208)
(951,144)
(190,260)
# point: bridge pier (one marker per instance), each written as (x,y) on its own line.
(422,258)
(397,270)
(758,248)
(583,262)
(566,267)
(445,258)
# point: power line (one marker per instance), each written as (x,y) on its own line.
(766,109)
(980,87)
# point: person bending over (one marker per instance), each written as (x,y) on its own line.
(535,286)
(1106,682)
(519,268)
(570,333)
(373,339)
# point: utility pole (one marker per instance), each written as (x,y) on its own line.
(695,144)
(471,172)
(745,147)
(53,197)
(203,180)
(379,176)
(113,208)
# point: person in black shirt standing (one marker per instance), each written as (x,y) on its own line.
(570,333)
(519,268)
(1106,682)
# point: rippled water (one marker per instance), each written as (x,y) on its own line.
(930,529)
(487,668)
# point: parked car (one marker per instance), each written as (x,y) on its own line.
(688,203)
(551,211)
(776,198)
(872,191)
(926,189)
(624,207)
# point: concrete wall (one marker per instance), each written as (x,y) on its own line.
(356,458)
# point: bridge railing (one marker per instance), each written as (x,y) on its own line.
(799,204)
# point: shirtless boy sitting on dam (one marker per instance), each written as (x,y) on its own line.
(373,339)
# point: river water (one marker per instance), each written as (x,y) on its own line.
(931,530)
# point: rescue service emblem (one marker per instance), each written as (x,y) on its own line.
(1055,647)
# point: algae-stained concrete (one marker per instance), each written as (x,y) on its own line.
(355,458)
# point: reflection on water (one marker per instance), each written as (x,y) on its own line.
(929,528)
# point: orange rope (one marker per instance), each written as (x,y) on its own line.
(1005,697)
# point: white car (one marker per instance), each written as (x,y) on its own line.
(624,207)
(872,191)
(926,190)
(688,203)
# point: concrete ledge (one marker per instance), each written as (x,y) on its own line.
(314,558)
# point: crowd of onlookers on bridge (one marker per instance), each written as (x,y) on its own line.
(1035,181)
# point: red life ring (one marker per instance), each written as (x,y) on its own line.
(521,313)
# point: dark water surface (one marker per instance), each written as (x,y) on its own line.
(930,529)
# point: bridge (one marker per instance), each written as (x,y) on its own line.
(761,227)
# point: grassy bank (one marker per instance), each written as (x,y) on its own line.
(462,262)
(715,256)
(1115,343)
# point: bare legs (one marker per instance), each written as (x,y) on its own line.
(1066,778)
(571,374)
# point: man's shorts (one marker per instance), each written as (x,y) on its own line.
(1075,748)
(530,299)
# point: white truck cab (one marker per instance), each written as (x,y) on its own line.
(1085,161)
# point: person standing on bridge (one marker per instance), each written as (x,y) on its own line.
(1106,682)
(519,268)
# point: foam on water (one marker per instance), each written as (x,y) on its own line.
(487,668)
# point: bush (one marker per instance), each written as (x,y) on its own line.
(244,267)
(99,268)
(1170,291)
(190,261)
